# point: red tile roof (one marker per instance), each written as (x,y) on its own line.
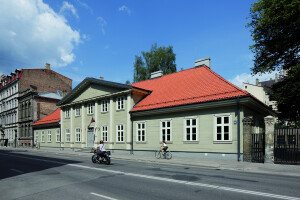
(52,118)
(190,86)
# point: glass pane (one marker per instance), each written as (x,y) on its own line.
(139,126)
(168,137)
(169,124)
(219,137)
(219,129)
(226,120)
(163,124)
(194,122)
(187,122)
(194,136)
(226,129)
(143,126)
(226,136)
(163,134)
(188,130)
(188,137)
(219,120)
(194,130)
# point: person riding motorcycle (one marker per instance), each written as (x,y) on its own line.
(101,149)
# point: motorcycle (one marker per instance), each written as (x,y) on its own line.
(104,159)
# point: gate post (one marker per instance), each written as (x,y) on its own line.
(269,139)
(247,133)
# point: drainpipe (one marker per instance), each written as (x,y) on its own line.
(131,152)
(238,129)
(32,113)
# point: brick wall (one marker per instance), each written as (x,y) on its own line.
(44,107)
(45,80)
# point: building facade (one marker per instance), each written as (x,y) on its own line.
(17,93)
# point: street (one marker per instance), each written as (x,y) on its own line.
(40,175)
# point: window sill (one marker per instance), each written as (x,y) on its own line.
(167,142)
(120,142)
(76,116)
(222,142)
(121,110)
(67,117)
(90,114)
(104,112)
(190,142)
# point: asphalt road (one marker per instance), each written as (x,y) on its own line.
(36,175)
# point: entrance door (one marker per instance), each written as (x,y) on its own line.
(90,137)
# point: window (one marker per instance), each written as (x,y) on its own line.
(90,108)
(67,112)
(49,136)
(104,133)
(42,136)
(120,133)
(141,132)
(36,137)
(104,107)
(77,111)
(57,135)
(120,103)
(191,129)
(77,135)
(222,127)
(68,135)
(166,130)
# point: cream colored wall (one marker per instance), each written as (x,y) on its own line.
(205,127)
(257,91)
(47,143)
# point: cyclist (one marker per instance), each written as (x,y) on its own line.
(164,147)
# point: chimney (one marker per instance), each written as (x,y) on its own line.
(101,78)
(156,74)
(276,77)
(203,61)
(257,81)
(47,66)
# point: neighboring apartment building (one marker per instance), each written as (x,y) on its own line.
(26,86)
(261,91)
(194,110)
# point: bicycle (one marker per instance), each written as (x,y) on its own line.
(166,155)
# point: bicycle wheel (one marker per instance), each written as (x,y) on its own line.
(168,155)
(157,154)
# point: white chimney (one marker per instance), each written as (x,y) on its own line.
(47,66)
(156,74)
(203,61)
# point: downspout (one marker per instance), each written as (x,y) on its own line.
(131,152)
(32,113)
(238,129)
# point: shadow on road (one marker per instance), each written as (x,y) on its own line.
(14,163)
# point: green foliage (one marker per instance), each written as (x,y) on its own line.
(275,28)
(287,95)
(158,58)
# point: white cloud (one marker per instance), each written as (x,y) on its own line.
(32,34)
(102,24)
(248,78)
(125,9)
(68,7)
(85,6)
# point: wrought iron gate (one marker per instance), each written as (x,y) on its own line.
(287,146)
(258,147)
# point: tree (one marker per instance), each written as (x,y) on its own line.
(275,28)
(158,58)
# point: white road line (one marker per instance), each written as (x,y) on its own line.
(15,170)
(174,181)
(103,196)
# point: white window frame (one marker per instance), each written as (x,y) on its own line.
(57,135)
(222,125)
(120,103)
(165,128)
(68,135)
(67,113)
(104,106)
(104,133)
(120,133)
(49,135)
(77,111)
(141,132)
(42,136)
(77,135)
(191,126)
(90,108)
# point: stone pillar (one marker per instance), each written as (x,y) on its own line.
(269,139)
(247,133)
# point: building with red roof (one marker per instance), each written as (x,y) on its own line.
(194,110)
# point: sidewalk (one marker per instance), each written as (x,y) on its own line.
(264,168)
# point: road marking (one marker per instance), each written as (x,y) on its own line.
(15,170)
(172,180)
(103,196)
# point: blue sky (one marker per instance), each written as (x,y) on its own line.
(101,38)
